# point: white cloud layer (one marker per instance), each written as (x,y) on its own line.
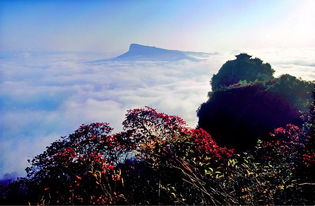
(44,96)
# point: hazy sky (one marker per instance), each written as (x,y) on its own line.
(200,25)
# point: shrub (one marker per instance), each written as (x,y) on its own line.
(157,159)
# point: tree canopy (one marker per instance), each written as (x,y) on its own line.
(237,117)
(247,102)
(242,68)
(296,91)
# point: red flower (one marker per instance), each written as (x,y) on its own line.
(111,167)
(78,177)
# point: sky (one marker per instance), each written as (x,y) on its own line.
(48,88)
(199,25)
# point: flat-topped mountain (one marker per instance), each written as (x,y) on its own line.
(139,52)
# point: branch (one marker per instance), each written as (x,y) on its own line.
(307,183)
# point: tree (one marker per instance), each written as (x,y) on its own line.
(296,91)
(248,102)
(176,152)
(242,68)
(238,116)
(78,168)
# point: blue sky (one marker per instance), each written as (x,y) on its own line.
(110,26)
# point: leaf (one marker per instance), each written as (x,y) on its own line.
(281,187)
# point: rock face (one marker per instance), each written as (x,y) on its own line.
(139,52)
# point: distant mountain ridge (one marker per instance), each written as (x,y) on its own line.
(138,52)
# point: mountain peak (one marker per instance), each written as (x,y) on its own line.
(138,52)
(138,46)
(151,53)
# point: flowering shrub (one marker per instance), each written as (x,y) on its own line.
(309,159)
(283,142)
(152,131)
(88,166)
(158,159)
(81,165)
(166,144)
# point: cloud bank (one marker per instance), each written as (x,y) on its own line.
(45,96)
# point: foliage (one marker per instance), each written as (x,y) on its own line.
(157,159)
(295,91)
(238,116)
(247,102)
(168,146)
(81,165)
(240,69)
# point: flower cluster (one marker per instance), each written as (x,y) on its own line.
(158,153)
(309,159)
(205,143)
(282,142)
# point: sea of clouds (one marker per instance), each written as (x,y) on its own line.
(47,95)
